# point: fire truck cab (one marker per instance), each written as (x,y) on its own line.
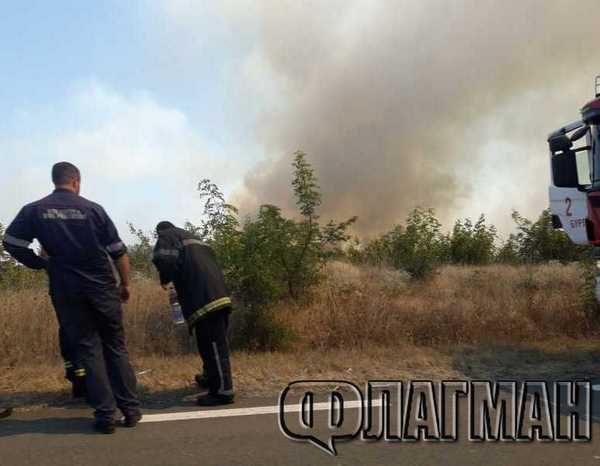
(575,175)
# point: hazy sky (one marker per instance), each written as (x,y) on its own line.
(398,103)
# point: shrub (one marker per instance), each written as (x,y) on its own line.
(539,242)
(417,248)
(470,243)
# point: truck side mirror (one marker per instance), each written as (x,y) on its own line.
(560,143)
(564,170)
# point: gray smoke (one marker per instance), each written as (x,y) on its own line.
(406,103)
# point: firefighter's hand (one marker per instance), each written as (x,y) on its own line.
(124,293)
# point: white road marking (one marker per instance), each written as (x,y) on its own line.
(256,411)
(186,416)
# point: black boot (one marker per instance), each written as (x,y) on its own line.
(104,426)
(214,400)
(131,419)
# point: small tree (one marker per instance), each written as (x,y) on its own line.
(508,252)
(290,251)
(269,256)
(471,243)
(538,241)
(219,217)
(140,253)
(417,248)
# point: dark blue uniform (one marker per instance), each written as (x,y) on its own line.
(80,240)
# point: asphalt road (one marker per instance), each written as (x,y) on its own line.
(64,437)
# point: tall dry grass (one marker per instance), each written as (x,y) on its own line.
(459,305)
(353,308)
(29,328)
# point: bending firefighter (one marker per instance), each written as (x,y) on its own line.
(188,263)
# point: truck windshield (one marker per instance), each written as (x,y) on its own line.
(583,168)
(594,143)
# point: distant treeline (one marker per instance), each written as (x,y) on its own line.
(418,246)
(269,257)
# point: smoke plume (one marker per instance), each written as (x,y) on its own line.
(431,102)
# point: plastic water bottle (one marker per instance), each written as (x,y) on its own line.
(176,313)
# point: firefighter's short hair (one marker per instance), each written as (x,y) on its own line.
(64,172)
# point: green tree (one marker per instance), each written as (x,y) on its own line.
(269,257)
(286,252)
(508,252)
(471,243)
(417,248)
(538,241)
(140,252)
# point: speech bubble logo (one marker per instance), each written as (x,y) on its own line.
(298,412)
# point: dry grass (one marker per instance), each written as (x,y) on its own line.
(258,374)
(460,305)
(353,308)
(360,324)
(28,326)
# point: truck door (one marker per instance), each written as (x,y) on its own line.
(570,180)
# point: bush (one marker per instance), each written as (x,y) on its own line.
(470,243)
(417,248)
(420,247)
(270,256)
(140,253)
(538,241)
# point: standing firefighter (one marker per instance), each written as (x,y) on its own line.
(80,240)
(188,263)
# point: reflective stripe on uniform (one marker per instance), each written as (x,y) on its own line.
(64,214)
(175,252)
(115,246)
(190,241)
(79,372)
(219,368)
(167,252)
(16,241)
(221,390)
(212,306)
(68,365)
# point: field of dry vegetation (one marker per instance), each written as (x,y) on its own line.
(360,323)
(496,304)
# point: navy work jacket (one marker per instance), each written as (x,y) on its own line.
(78,236)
